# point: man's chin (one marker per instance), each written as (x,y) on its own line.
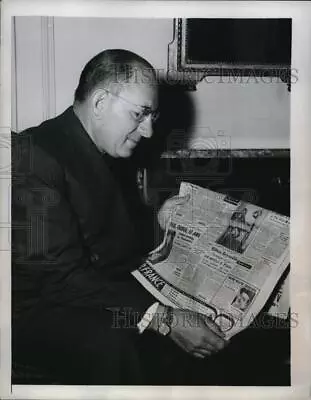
(127,149)
(125,153)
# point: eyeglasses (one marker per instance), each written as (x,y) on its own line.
(143,114)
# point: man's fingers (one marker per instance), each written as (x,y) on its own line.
(206,348)
(215,340)
(198,355)
(175,200)
(182,199)
(214,327)
(217,344)
(186,197)
(201,353)
(168,207)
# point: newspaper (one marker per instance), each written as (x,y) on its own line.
(280,305)
(220,256)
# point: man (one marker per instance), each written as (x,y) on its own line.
(231,238)
(242,299)
(77,310)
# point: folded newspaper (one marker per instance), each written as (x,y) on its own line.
(221,257)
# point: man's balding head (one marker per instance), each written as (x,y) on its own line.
(113,67)
(117,100)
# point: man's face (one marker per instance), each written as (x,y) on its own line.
(117,130)
(235,232)
(242,301)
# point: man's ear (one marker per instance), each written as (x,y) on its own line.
(99,102)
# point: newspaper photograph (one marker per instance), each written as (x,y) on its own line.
(221,257)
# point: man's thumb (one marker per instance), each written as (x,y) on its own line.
(183,199)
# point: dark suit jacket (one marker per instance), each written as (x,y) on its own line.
(73,242)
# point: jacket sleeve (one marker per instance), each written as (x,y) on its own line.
(50,263)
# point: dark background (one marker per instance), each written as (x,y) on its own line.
(238,41)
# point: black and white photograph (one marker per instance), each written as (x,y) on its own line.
(233,238)
(109,114)
(243,298)
(240,231)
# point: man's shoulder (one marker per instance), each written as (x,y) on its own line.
(38,134)
(34,150)
(47,137)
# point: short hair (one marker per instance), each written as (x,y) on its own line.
(110,66)
(246,291)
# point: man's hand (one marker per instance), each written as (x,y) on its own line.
(168,208)
(196,333)
(193,332)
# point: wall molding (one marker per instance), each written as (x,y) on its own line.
(227,153)
(14,96)
(48,67)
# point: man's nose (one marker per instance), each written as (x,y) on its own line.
(146,128)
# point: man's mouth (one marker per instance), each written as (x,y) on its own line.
(132,141)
